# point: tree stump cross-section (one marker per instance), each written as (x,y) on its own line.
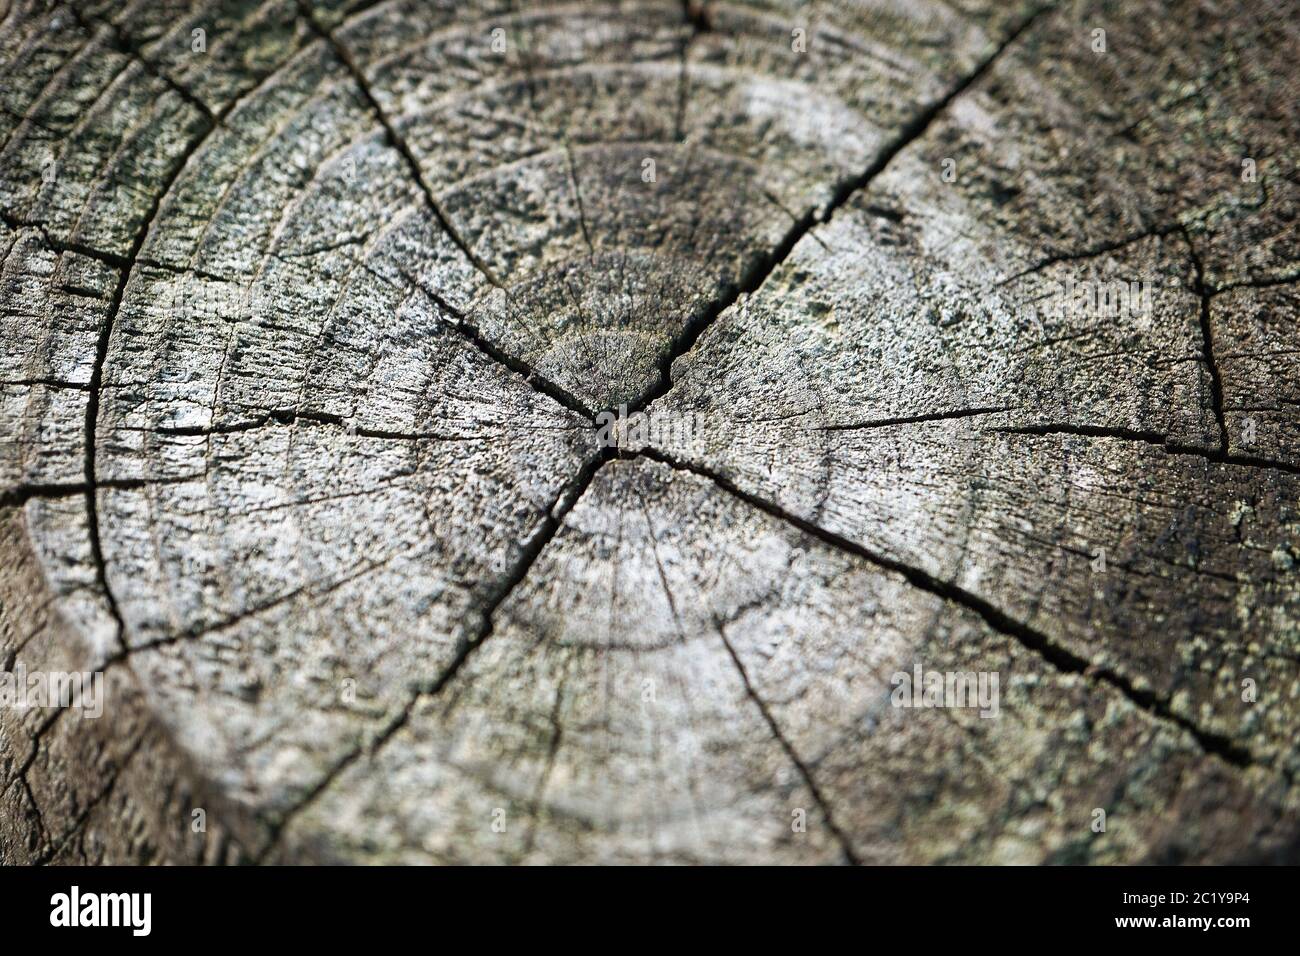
(559,433)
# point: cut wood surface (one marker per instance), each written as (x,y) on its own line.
(315,317)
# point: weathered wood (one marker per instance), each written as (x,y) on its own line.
(310,319)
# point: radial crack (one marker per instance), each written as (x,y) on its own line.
(1207,344)
(290,417)
(233,620)
(97,379)
(1061,658)
(63,246)
(763,266)
(1157,439)
(474,336)
(1092,253)
(915,419)
(95,801)
(121,42)
(277,829)
(559,509)
(396,139)
(1261,283)
(548,768)
(21,494)
(696,15)
(845,846)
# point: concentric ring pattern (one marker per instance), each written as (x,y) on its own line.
(310,311)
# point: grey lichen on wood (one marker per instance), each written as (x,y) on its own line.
(311,312)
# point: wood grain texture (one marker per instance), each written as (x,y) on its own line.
(312,313)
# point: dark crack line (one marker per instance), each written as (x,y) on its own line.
(92,422)
(21,494)
(97,377)
(39,614)
(1207,343)
(20,775)
(845,846)
(762,267)
(291,417)
(471,333)
(1153,438)
(276,830)
(575,295)
(1096,251)
(126,265)
(381,486)
(121,43)
(577,197)
(529,553)
(62,246)
(396,140)
(914,419)
(1264,283)
(233,620)
(55,135)
(321,250)
(191,271)
(1129,568)
(43,382)
(41,825)
(559,509)
(94,802)
(548,768)
(1061,658)
(696,15)
(356,9)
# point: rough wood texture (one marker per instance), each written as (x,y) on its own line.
(306,334)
